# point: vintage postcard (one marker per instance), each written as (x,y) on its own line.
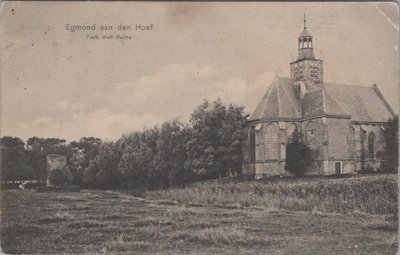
(199,127)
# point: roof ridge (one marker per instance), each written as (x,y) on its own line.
(277,93)
(264,100)
(349,85)
(290,99)
(268,93)
(383,99)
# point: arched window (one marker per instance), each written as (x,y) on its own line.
(271,143)
(299,44)
(371,146)
(290,127)
(252,149)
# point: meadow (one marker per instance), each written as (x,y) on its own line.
(208,218)
(373,194)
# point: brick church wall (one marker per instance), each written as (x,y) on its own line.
(362,132)
(333,139)
(341,146)
(315,134)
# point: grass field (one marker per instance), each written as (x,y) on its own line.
(110,222)
(373,194)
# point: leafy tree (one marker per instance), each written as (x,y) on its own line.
(89,175)
(107,163)
(83,151)
(103,170)
(169,162)
(77,164)
(60,177)
(89,145)
(39,148)
(139,150)
(14,160)
(298,154)
(391,134)
(214,148)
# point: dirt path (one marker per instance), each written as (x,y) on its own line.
(112,222)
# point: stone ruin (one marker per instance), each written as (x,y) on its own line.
(56,161)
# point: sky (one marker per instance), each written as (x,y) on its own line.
(58,83)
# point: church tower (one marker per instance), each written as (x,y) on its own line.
(307,71)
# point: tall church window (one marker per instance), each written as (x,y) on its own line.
(283,151)
(271,143)
(371,145)
(252,149)
(363,138)
(290,127)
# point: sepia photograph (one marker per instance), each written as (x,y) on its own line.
(152,127)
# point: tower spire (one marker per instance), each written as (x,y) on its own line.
(306,68)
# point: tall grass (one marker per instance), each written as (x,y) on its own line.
(375,194)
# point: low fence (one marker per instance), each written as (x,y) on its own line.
(28,184)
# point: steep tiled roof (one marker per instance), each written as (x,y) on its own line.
(313,103)
(361,103)
(332,107)
(279,102)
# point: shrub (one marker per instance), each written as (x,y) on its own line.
(298,154)
(391,134)
(59,177)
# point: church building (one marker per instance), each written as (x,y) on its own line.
(343,124)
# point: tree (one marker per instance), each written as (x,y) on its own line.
(107,164)
(89,175)
(169,162)
(298,154)
(14,160)
(77,164)
(103,170)
(37,150)
(60,177)
(138,152)
(214,148)
(391,134)
(83,151)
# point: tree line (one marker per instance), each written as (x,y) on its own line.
(171,154)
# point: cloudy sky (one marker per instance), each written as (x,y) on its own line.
(57,83)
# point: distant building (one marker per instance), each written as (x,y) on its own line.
(343,123)
(57,162)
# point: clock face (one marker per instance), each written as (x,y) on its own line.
(298,71)
(310,70)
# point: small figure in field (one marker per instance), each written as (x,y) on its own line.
(22,185)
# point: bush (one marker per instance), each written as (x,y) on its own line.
(391,134)
(59,177)
(298,154)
